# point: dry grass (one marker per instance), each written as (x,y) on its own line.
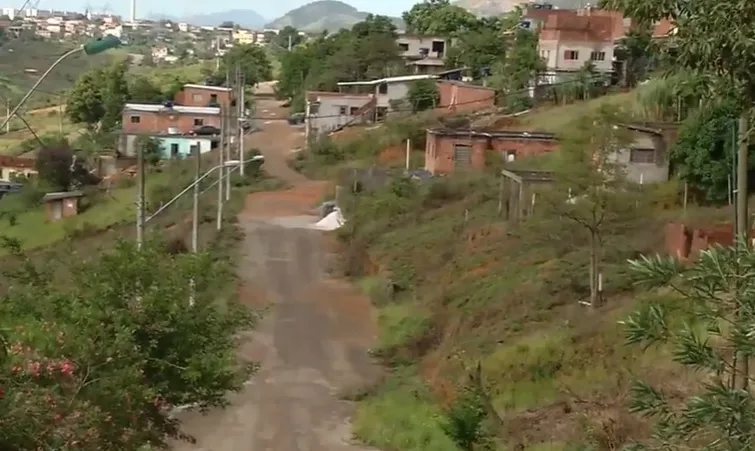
(483,291)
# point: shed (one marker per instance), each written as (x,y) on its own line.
(62,204)
(520,187)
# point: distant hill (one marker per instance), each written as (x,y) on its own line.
(321,15)
(246,18)
(495,7)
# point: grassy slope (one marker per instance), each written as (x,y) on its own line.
(453,293)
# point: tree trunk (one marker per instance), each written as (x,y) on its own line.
(595,295)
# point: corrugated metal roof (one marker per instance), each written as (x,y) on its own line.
(402,79)
(209,88)
(158,108)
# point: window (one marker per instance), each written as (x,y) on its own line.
(509,156)
(342,110)
(173,150)
(462,155)
(642,156)
(383,88)
(598,56)
(571,55)
(214,98)
(439,47)
(198,122)
(196,97)
(403,47)
(135,119)
(353,111)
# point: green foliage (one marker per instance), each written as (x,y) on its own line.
(142,90)
(251,59)
(365,52)
(98,363)
(98,97)
(721,415)
(514,73)
(640,54)
(465,418)
(439,18)
(704,153)
(423,95)
(150,148)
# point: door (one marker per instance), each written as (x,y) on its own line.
(462,156)
(174,150)
(56,209)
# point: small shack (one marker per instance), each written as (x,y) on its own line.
(518,191)
(62,204)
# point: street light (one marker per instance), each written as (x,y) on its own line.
(94,47)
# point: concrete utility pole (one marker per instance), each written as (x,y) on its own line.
(242,109)
(141,199)
(7,116)
(195,213)
(232,124)
(221,162)
(60,114)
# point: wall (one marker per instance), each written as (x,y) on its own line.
(468,97)
(657,172)
(439,149)
(186,97)
(8,171)
(395,91)
(417,42)
(66,207)
(553,53)
(127,144)
(159,123)
(686,243)
(329,115)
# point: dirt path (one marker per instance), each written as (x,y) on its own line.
(313,342)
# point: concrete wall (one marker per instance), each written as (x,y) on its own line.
(414,43)
(127,145)
(468,97)
(553,53)
(329,114)
(191,96)
(686,243)
(641,172)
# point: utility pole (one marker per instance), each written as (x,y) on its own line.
(141,200)
(232,124)
(7,116)
(221,164)
(289,43)
(742,223)
(242,110)
(60,115)
(195,213)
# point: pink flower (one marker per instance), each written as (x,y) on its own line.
(66,367)
(33,368)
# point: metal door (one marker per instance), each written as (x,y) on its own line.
(462,156)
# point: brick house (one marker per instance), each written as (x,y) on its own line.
(205,96)
(447,150)
(569,41)
(462,97)
(167,120)
(11,167)
(62,204)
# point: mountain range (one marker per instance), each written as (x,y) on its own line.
(333,14)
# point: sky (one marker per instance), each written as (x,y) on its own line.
(269,10)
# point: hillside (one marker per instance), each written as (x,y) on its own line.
(495,7)
(18,56)
(321,15)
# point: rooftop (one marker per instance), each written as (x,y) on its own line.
(492,134)
(61,195)
(207,87)
(160,108)
(402,79)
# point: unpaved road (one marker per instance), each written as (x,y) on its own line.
(312,343)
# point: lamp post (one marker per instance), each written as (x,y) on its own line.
(99,45)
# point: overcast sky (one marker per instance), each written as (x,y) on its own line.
(268,9)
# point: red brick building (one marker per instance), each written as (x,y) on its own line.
(448,150)
(61,205)
(205,96)
(462,97)
(167,120)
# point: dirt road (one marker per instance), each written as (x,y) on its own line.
(313,342)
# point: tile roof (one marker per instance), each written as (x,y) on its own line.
(581,28)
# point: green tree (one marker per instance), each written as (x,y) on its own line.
(639,52)
(253,61)
(288,35)
(423,95)
(99,362)
(150,148)
(142,90)
(439,18)
(520,68)
(590,190)
(114,89)
(478,49)
(705,335)
(84,105)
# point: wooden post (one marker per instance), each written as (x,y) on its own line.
(500,196)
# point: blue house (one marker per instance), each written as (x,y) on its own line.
(172,146)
